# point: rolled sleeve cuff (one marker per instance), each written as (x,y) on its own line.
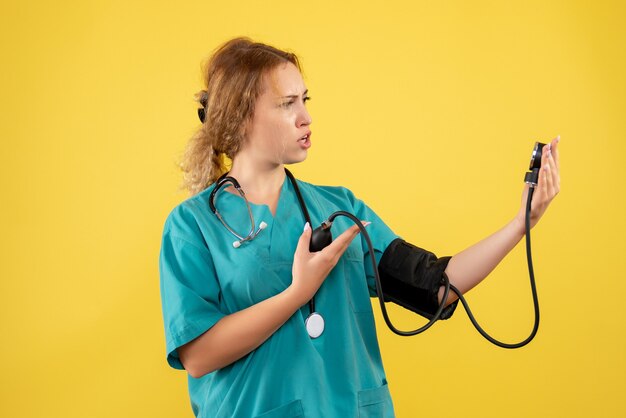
(190,332)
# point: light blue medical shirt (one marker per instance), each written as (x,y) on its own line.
(203,279)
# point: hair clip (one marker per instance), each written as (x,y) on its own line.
(203,98)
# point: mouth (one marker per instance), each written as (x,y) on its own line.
(305,140)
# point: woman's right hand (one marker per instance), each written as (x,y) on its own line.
(311,269)
(237,334)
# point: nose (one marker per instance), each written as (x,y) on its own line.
(304,119)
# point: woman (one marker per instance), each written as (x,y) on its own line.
(235,314)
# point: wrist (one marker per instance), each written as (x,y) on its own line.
(519,224)
(294,296)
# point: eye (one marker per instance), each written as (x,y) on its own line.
(291,102)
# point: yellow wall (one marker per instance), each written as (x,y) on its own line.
(426,110)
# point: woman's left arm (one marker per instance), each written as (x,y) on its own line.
(469,267)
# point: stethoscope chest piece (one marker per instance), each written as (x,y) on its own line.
(314,324)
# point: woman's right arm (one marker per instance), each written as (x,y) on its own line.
(236,335)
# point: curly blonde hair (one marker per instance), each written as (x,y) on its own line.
(233,79)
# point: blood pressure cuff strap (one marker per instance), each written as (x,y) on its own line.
(411,277)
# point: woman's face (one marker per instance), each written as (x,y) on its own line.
(279,130)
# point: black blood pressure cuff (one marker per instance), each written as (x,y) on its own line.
(411,277)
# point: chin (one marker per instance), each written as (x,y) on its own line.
(295,159)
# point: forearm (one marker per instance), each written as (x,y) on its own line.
(238,334)
(469,267)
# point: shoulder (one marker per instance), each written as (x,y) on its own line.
(329,193)
(184,220)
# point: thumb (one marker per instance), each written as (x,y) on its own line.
(305,238)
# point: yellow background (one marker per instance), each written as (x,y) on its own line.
(426,110)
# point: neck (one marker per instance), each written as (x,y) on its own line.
(258,180)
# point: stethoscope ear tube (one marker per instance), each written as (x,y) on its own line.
(224,179)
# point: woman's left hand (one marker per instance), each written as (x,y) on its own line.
(547,187)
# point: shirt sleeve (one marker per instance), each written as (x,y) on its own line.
(380,234)
(190,291)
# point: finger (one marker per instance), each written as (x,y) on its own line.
(554,148)
(547,159)
(305,239)
(549,186)
(553,173)
(345,238)
(341,243)
(544,158)
(544,155)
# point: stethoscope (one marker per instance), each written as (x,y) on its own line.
(314,323)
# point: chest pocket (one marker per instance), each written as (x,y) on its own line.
(354,276)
